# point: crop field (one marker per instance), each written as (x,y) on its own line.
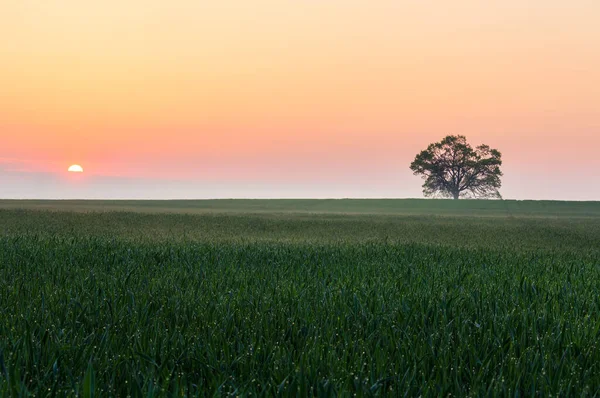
(298,298)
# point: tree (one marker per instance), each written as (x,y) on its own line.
(452,168)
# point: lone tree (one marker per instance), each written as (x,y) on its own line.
(451,168)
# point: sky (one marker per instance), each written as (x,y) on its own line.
(293,98)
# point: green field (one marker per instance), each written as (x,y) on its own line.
(299,297)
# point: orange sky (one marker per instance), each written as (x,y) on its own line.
(297,98)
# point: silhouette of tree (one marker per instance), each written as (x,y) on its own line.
(452,168)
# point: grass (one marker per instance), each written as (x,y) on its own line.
(232,301)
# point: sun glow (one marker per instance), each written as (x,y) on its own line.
(76,168)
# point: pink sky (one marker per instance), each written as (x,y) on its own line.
(276,98)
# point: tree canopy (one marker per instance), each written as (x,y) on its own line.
(452,168)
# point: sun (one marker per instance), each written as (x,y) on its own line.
(75,168)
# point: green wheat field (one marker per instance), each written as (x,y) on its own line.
(299,298)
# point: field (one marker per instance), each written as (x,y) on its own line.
(296,298)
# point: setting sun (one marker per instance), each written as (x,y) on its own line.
(76,168)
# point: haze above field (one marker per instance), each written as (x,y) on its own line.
(264,99)
(324,207)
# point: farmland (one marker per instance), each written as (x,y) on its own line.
(373,297)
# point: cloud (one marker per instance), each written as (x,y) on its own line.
(40,185)
(17,165)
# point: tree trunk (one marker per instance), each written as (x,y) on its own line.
(455,195)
